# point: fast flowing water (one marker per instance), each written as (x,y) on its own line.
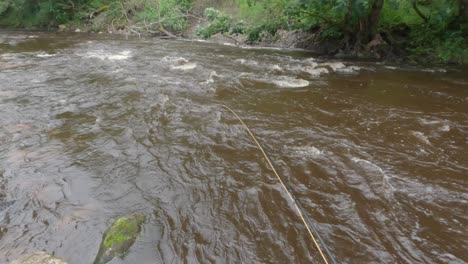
(97,127)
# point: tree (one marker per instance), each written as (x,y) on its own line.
(464,10)
(374,18)
(361,23)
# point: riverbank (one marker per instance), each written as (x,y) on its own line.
(393,31)
(282,40)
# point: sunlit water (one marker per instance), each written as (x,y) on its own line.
(96,127)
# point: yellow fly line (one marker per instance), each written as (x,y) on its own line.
(295,201)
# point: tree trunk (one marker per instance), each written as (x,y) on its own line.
(420,14)
(374,18)
(348,27)
(464,10)
(358,34)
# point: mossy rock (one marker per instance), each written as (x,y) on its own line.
(119,237)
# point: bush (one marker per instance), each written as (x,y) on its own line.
(432,31)
(218,22)
(168,12)
(440,39)
(428,45)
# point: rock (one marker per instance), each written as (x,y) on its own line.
(38,258)
(340,55)
(119,237)
(77,30)
(62,27)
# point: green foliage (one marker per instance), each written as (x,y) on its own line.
(4,5)
(436,40)
(28,13)
(111,13)
(308,14)
(432,31)
(433,42)
(168,12)
(266,18)
(218,22)
(399,12)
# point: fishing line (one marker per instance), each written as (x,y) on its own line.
(305,219)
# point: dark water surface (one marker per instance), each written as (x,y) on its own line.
(96,127)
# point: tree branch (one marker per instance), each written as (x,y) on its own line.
(418,11)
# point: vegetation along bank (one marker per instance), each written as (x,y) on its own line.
(419,31)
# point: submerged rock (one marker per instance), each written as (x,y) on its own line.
(119,237)
(38,258)
(6,204)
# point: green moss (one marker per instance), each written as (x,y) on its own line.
(119,237)
(123,229)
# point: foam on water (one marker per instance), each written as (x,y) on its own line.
(9,56)
(348,69)
(103,55)
(176,60)
(289,82)
(228,44)
(444,128)
(247,62)
(275,67)
(308,151)
(424,121)
(179,63)
(420,135)
(434,70)
(213,74)
(315,72)
(184,67)
(45,55)
(311,62)
(334,65)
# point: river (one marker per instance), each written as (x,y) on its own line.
(93,127)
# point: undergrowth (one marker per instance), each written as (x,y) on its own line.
(430,31)
(436,35)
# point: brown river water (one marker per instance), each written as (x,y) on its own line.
(95,127)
